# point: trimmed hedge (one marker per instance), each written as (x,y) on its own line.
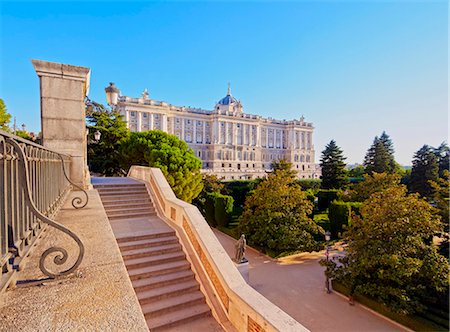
(218,209)
(306,184)
(209,209)
(325,197)
(223,207)
(340,214)
(425,322)
(239,189)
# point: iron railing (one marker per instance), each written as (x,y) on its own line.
(33,186)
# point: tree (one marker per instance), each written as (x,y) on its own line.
(372,183)
(283,166)
(5,117)
(177,162)
(441,201)
(389,255)
(380,156)
(276,216)
(357,171)
(334,175)
(425,169)
(211,184)
(443,154)
(103,156)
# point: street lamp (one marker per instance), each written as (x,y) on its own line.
(327,254)
(112,94)
(97,135)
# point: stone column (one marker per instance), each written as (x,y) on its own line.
(127,118)
(151,121)
(194,132)
(139,121)
(182,129)
(164,123)
(204,133)
(258,136)
(63,119)
(226,132)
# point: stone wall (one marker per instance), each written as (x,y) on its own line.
(246,309)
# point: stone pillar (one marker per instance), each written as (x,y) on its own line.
(127,118)
(63,119)
(139,121)
(182,129)
(204,133)
(151,121)
(164,123)
(194,132)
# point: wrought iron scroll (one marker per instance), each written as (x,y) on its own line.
(62,253)
(77,201)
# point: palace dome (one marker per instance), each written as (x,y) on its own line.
(228,99)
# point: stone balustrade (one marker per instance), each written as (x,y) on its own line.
(245,308)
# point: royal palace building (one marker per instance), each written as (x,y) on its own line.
(230,143)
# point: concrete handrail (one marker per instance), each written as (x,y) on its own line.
(246,309)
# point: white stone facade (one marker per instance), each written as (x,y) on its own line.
(231,144)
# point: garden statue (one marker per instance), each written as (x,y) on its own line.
(239,256)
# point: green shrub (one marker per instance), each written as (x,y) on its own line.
(339,214)
(223,207)
(306,184)
(209,209)
(427,322)
(239,190)
(325,197)
(218,209)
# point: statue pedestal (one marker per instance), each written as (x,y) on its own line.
(243,268)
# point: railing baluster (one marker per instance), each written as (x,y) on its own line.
(33,184)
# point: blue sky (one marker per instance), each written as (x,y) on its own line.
(352,68)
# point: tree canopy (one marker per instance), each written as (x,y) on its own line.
(103,156)
(158,149)
(5,117)
(334,175)
(276,216)
(389,255)
(443,155)
(425,169)
(372,183)
(380,156)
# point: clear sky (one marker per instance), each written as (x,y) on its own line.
(353,68)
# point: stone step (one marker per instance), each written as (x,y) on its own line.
(169,291)
(174,318)
(146,243)
(120,188)
(146,236)
(128,203)
(124,210)
(154,260)
(131,215)
(128,206)
(151,251)
(118,185)
(173,303)
(123,193)
(156,270)
(162,280)
(128,198)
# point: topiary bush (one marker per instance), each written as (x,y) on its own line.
(209,209)
(325,197)
(339,214)
(223,207)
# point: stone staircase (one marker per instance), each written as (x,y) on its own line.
(162,278)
